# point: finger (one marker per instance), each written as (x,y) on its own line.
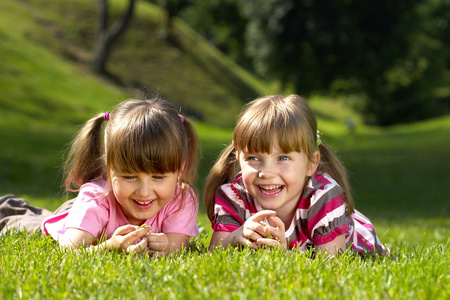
(253,231)
(257,226)
(123,230)
(157,237)
(259,216)
(277,222)
(277,229)
(157,242)
(139,248)
(278,232)
(158,246)
(268,232)
(247,243)
(144,229)
(277,237)
(270,243)
(133,236)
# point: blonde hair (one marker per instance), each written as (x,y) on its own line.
(286,120)
(140,136)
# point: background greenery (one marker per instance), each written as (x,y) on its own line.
(392,53)
(399,173)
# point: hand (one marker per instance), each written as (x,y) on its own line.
(125,236)
(275,237)
(157,244)
(251,231)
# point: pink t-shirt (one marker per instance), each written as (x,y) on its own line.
(95,213)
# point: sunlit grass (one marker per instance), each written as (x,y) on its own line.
(36,268)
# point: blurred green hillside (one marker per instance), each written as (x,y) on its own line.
(185,69)
(47,92)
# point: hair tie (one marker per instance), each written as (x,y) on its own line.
(319,138)
(182,118)
(106,116)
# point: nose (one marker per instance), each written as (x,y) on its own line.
(144,189)
(267,171)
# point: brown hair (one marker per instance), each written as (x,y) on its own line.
(289,121)
(140,136)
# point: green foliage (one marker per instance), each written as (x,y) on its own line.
(394,53)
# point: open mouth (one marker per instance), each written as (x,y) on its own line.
(143,202)
(271,189)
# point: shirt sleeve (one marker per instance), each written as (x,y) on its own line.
(90,211)
(229,210)
(326,216)
(182,220)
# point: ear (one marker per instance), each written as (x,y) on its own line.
(314,163)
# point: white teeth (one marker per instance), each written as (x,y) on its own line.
(144,203)
(271,189)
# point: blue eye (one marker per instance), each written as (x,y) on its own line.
(284,158)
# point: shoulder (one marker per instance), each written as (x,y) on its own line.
(321,185)
(95,193)
(94,187)
(233,191)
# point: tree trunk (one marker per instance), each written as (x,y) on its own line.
(106,36)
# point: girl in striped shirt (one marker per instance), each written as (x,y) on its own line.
(290,191)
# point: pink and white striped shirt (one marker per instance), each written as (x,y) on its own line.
(319,219)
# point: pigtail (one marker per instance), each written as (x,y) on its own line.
(223,171)
(330,164)
(84,162)
(192,149)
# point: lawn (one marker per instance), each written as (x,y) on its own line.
(415,229)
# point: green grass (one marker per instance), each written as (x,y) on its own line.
(416,231)
(399,174)
(34,267)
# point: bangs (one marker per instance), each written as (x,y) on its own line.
(272,124)
(146,148)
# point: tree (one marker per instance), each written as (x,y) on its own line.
(222,23)
(393,53)
(388,50)
(106,36)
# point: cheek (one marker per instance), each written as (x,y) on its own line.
(119,189)
(248,180)
(167,191)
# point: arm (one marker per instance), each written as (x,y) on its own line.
(122,239)
(335,247)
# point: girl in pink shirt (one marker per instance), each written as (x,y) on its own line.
(290,190)
(134,181)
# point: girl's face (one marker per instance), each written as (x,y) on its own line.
(143,195)
(276,179)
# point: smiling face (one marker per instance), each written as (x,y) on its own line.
(142,195)
(276,179)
